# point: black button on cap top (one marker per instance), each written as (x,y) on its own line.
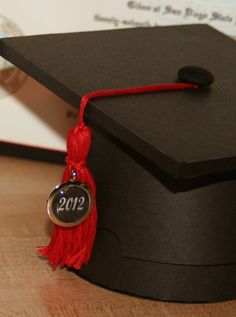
(195,75)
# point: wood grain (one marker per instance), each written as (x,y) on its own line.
(29,287)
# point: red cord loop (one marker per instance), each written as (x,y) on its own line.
(128,91)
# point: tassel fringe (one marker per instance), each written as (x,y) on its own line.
(72,246)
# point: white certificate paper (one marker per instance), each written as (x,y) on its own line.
(32,115)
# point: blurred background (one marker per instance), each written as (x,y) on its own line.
(27,110)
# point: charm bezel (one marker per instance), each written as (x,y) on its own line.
(54,192)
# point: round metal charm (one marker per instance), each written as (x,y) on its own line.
(70,203)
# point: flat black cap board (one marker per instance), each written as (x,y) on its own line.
(164,163)
(183,135)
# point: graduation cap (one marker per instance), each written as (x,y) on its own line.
(163,162)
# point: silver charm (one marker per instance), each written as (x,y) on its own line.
(70,203)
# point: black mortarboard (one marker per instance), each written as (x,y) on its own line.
(164,163)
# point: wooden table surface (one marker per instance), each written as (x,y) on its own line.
(29,287)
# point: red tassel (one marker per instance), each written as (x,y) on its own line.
(72,246)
